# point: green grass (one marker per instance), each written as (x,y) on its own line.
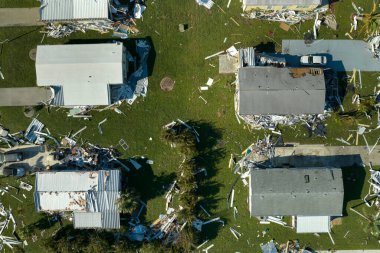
(19,3)
(181,57)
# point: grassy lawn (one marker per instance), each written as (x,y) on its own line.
(181,57)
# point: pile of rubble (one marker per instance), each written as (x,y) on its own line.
(271,121)
(287,16)
(291,246)
(258,154)
(374,188)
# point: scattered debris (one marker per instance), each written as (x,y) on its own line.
(25,186)
(206,3)
(30,135)
(100,125)
(1,74)
(204,100)
(197,223)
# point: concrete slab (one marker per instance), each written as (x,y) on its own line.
(319,156)
(20,17)
(24,96)
(342,55)
(227,65)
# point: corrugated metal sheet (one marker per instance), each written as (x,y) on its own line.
(66,181)
(110,220)
(109,180)
(74,10)
(88,191)
(58,99)
(313,224)
(87,220)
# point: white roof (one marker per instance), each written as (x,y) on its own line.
(58,10)
(87,220)
(313,224)
(67,181)
(84,71)
(62,201)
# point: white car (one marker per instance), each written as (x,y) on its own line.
(311,60)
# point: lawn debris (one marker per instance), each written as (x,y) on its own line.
(1,74)
(100,125)
(7,218)
(80,112)
(197,223)
(30,133)
(206,3)
(25,186)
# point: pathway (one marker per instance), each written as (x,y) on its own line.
(20,17)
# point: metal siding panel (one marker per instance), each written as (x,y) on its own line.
(313,224)
(70,10)
(87,220)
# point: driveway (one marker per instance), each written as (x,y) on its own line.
(33,156)
(20,17)
(320,156)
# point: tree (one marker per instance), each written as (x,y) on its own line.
(371,21)
(128,201)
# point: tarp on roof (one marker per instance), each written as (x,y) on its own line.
(313,224)
(68,10)
(271,90)
(296,191)
(83,71)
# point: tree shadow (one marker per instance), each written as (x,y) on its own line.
(144,181)
(46,222)
(210,150)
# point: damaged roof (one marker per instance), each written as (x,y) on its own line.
(274,91)
(84,71)
(93,194)
(296,191)
(70,10)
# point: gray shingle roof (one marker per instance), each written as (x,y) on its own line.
(298,191)
(270,90)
